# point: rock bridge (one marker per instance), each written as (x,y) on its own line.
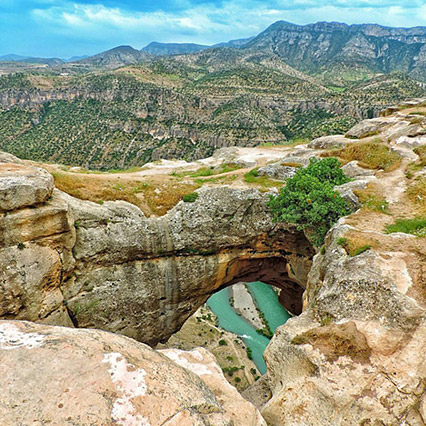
(69,262)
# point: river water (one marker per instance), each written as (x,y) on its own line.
(267,301)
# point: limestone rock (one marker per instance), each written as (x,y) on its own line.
(410,142)
(404,128)
(278,171)
(353,170)
(5,157)
(23,186)
(352,357)
(370,127)
(203,363)
(329,142)
(59,375)
(106,266)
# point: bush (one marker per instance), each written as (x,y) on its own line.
(310,201)
(190,198)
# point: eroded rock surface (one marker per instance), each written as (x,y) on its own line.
(108,266)
(354,356)
(61,376)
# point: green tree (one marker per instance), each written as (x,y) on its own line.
(310,201)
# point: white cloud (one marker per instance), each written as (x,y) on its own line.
(211,23)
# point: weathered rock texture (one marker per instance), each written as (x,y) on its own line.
(354,357)
(58,376)
(108,266)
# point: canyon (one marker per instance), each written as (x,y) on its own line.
(351,355)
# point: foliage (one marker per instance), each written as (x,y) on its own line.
(310,201)
(190,198)
(416,226)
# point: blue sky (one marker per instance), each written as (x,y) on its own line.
(63,28)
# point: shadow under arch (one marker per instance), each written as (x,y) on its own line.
(271,270)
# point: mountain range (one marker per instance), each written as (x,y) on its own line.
(125,107)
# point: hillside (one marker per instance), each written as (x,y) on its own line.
(340,53)
(125,107)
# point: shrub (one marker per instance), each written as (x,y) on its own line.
(190,198)
(310,201)
(222,342)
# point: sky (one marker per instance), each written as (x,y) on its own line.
(62,28)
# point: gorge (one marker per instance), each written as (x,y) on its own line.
(349,356)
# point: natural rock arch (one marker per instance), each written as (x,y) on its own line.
(77,263)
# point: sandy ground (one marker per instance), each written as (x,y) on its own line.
(244,304)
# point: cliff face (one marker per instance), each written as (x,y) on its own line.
(71,262)
(314,47)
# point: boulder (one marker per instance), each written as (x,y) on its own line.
(59,376)
(353,170)
(329,142)
(277,171)
(370,127)
(353,356)
(23,186)
(410,142)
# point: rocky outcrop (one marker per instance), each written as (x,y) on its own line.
(73,262)
(58,376)
(353,356)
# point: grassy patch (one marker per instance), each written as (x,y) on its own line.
(209,171)
(355,244)
(371,155)
(421,152)
(415,226)
(190,198)
(372,200)
(151,199)
(416,192)
(217,179)
(253,177)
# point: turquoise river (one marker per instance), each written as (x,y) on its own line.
(267,301)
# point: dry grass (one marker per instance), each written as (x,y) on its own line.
(416,192)
(371,199)
(356,243)
(151,199)
(421,152)
(371,155)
